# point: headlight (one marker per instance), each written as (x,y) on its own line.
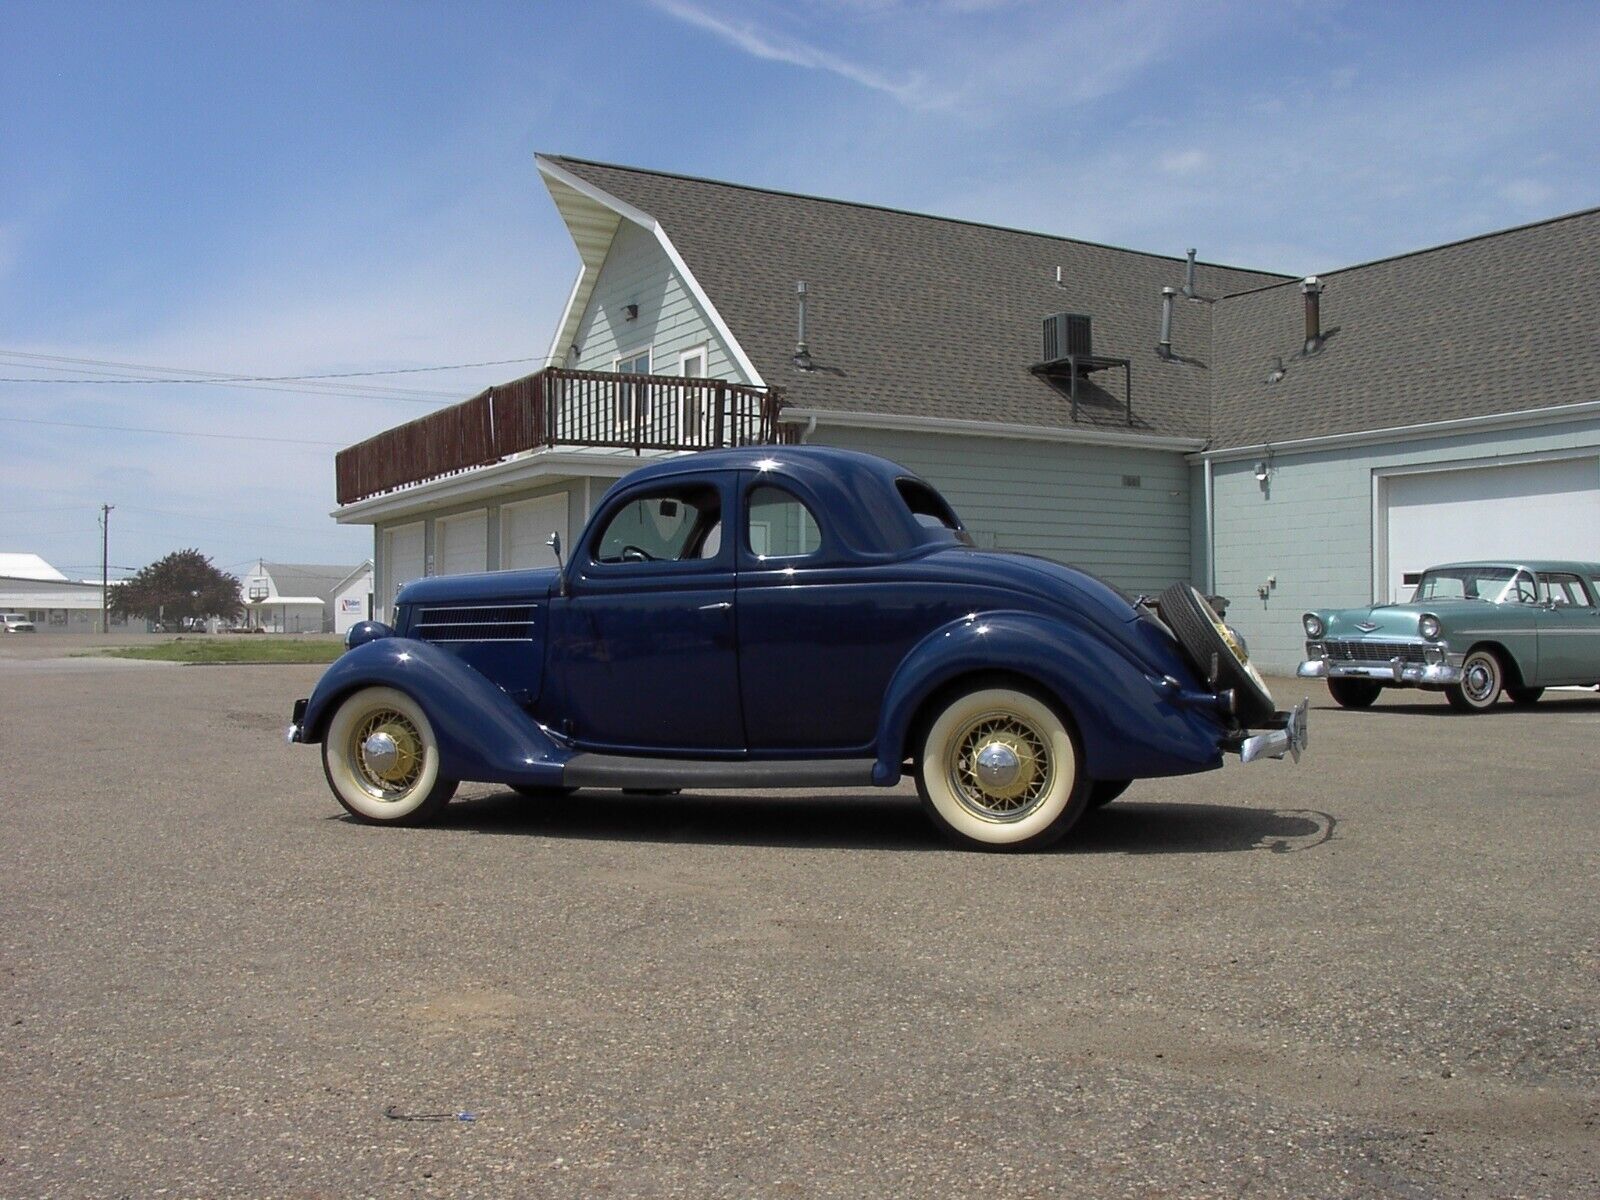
(1428,627)
(1314,626)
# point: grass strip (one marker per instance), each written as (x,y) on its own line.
(254,650)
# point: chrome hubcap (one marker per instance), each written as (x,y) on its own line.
(999,767)
(1479,681)
(381,752)
(386,752)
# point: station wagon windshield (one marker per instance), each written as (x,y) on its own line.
(1498,585)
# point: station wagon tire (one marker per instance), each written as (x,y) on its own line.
(1103,791)
(1482,678)
(1354,693)
(382,759)
(1031,789)
(1524,697)
(1203,636)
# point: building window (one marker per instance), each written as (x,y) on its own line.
(631,397)
(692,365)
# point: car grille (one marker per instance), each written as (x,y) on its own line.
(476,623)
(1370,651)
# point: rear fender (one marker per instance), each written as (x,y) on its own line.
(482,734)
(1128,724)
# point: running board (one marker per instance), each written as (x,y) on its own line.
(620,771)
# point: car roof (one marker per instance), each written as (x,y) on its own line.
(1572,566)
(856,493)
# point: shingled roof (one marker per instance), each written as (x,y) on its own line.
(1495,324)
(926,316)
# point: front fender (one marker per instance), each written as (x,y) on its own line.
(1127,721)
(482,734)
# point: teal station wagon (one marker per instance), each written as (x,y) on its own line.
(1472,631)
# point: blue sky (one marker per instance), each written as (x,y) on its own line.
(278,189)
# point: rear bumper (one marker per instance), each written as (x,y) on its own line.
(1285,734)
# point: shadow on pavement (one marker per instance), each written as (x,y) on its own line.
(873,822)
(1559,702)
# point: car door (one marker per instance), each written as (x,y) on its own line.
(644,657)
(1569,630)
(820,634)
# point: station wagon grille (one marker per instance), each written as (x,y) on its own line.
(476,623)
(1370,651)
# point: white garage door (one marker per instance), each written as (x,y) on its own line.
(402,558)
(526,526)
(461,544)
(1526,510)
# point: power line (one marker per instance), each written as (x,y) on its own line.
(219,377)
(165,512)
(230,437)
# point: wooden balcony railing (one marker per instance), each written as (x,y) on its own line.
(557,407)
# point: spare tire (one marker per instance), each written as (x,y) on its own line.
(1207,640)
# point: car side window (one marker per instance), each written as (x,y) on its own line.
(1523,590)
(779,525)
(1563,590)
(673,524)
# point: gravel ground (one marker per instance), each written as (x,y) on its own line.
(1374,974)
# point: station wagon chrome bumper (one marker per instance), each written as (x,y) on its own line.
(1289,738)
(1425,664)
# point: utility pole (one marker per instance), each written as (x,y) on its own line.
(105,570)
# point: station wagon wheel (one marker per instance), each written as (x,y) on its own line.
(382,759)
(1354,693)
(1000,770)
(1482,677)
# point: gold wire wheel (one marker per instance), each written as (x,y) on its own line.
(999,767)
(386,752)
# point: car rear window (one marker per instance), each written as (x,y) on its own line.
(929,508)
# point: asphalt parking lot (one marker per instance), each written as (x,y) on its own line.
(1374,974)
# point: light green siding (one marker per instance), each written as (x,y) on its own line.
(1057,499)
(1311,526)
(670,321)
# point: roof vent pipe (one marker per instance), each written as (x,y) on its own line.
(1311,289)
(1164,346)
(802,352)
(1188,277)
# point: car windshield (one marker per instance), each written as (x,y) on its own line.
(1498,585)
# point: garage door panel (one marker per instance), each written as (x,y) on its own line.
(525,527)
(404,555)
(1524,510)
(462,543)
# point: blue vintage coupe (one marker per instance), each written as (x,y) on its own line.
(789,617)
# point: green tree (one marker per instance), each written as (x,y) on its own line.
(183,584)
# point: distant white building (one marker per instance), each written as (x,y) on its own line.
(31,586)
(307,597)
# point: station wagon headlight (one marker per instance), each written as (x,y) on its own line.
(1314,626)
(1428,627)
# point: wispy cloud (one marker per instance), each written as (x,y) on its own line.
(771,46)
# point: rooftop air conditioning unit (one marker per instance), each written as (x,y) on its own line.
(1067,334)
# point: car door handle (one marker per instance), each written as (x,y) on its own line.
(720,606)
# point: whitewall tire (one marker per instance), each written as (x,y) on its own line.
(1000,770)
(382,759)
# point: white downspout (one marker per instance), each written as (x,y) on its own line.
(1211,533)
